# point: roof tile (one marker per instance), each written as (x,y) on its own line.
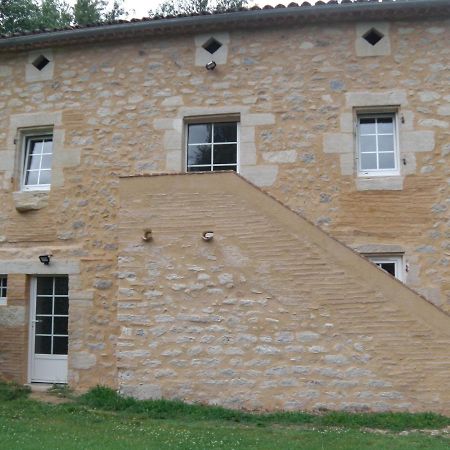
(321,6)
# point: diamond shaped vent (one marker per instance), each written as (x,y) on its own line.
(212,45)
(373,36)
(40,62)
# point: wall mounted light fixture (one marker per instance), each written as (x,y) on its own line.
(207,235)
(147,235)
(211,65)
(45,259)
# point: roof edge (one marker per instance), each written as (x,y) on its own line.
(334,12)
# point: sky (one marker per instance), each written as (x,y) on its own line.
(141,7)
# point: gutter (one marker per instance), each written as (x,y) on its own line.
(370,10)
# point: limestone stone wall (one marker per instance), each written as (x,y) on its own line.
(119,109)
(269,314)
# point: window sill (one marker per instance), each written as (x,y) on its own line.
(43,188)
(380,183)
(30,200)
(3,301)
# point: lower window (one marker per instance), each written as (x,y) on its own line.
(3,289)
(393,265)
(212,146)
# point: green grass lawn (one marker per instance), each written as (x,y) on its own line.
(103,420)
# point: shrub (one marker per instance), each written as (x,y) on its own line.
(104,398)
(13,391)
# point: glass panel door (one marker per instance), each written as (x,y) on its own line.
(49,326)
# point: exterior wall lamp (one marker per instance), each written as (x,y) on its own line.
(45,259)
(147,236)
(211,65)
(208,235)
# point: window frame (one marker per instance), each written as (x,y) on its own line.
(212,120)
(397,259)
(3,289)
(378,114)
(27,138)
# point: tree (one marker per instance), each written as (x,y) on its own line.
(223,5)
(18,15)
(55,14)
(174,7)
(116,12)
(88,11)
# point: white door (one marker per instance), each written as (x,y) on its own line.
(49,329)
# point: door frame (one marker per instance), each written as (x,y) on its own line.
(31,328)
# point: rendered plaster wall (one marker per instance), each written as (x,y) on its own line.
(269,314)
(119,109)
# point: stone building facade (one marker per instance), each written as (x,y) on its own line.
(336,118)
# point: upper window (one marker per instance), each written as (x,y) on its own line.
(212,146)
(377,145)
(37,167)
(3,289)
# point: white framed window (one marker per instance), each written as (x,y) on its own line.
(37,161)
(212,146)
(377,143)
(3,289)
(392,264)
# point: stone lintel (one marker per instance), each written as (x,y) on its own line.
(379,248)
(369,99)
(32,265)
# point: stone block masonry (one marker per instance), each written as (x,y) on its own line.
(270,314)
(295,103)
(207,319)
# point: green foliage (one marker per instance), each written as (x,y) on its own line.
(386,421)
(88,11)
(104,398)
(223,5)
(116,12)
(107,399)
(55,14)
(94,11)
(13,391)
(20,15)
(102,419)
(61,391)
(174,7)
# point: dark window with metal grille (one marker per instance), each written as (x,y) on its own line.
(212,146)
(3,287)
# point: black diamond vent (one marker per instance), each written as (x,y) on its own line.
(212,45)
(373,36)
(40,62)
